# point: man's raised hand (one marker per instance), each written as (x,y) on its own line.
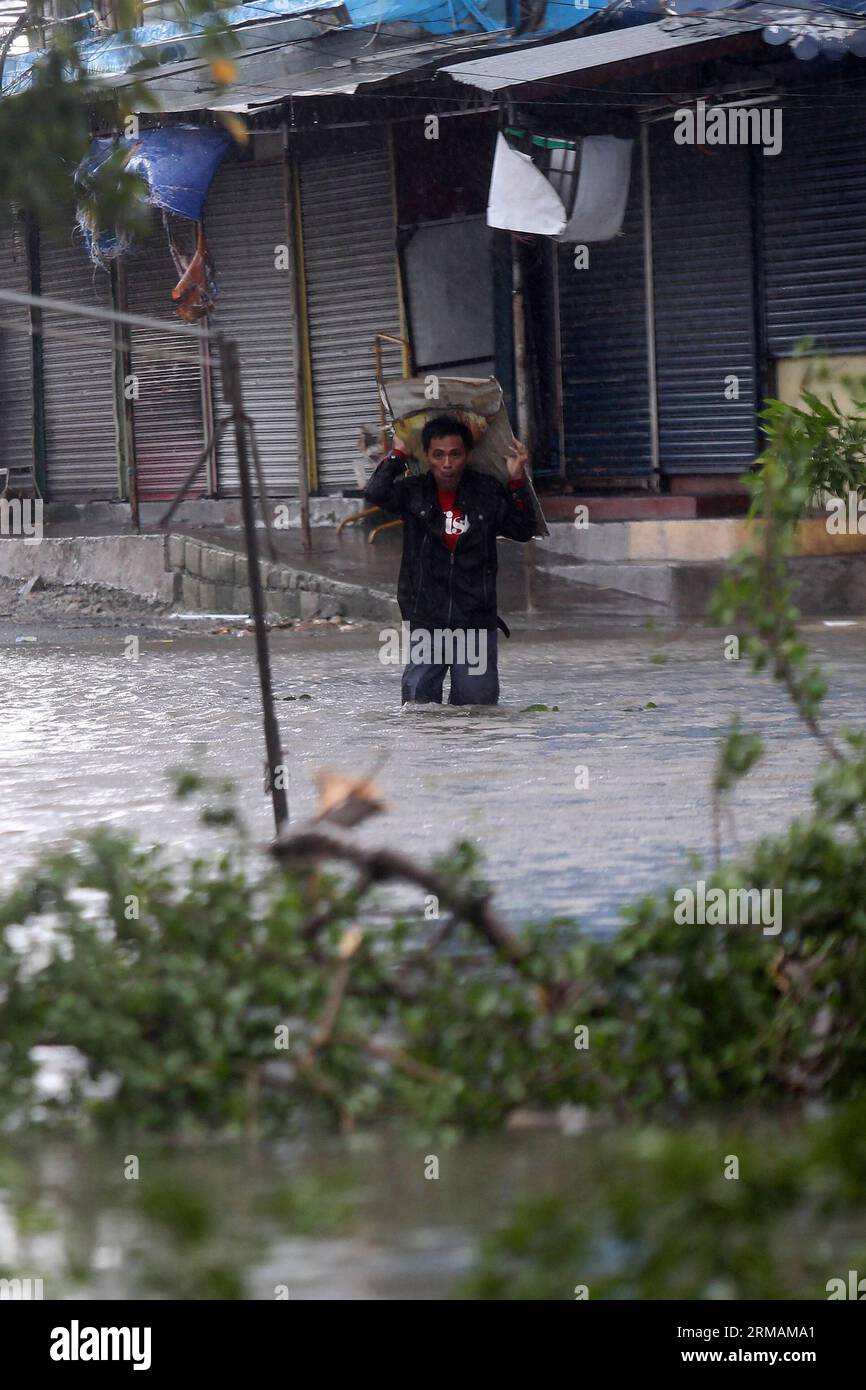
(516,459)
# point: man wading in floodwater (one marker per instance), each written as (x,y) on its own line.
(447,586)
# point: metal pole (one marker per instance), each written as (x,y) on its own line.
(649,302)
(291,186)
(125,412)
(557,341)
(231,379)
(37,325)
(520,369)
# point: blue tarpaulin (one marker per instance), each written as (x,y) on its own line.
(177,162)
(105,54)
(113,54)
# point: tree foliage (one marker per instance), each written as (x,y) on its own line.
(46,125)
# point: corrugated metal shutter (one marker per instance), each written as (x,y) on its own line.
(245,223)
(80,424)
(605,388)
(16,350)
(168,415)
(351,272)
(814,231)
(704,305)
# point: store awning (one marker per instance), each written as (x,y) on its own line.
(322,63)
(809,29)
(570,62)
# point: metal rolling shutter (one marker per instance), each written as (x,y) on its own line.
(168,415)
(245,222)
(814,231)
(16,352)
(78,374)
(351,272)
(605,386)
(704,305)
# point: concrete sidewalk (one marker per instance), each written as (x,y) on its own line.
(346,573)
(205,570)
(629,571)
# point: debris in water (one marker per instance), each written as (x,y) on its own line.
(345,799)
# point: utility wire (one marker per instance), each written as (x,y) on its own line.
(50,332)
(92,311)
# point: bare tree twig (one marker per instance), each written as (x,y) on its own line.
(420,1071)
(315,923)
(326,1088)
(384,864)
(333,1004)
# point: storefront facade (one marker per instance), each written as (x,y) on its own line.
(649,356)
(123,425)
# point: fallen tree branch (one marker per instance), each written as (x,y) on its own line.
(325,1087)
(337,993)
(383,864)
(419,1071)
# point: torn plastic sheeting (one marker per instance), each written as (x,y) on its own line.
(602,189)
(332,61)
(522,199)
(177,162)
(117,54)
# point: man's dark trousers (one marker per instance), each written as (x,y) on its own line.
(471,684)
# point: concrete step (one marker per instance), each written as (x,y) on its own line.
(187,572)
(644,506)
(824,586)
(697,540)
(617,574)
(212,576)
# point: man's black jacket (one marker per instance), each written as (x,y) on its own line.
(437,587)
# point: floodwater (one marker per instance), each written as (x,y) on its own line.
(377,1217)
(89,736)
(349,1219)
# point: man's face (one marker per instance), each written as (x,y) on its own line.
(447,457)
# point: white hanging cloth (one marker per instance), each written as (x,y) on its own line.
(521,199)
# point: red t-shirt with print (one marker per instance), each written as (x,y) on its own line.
(455,521)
